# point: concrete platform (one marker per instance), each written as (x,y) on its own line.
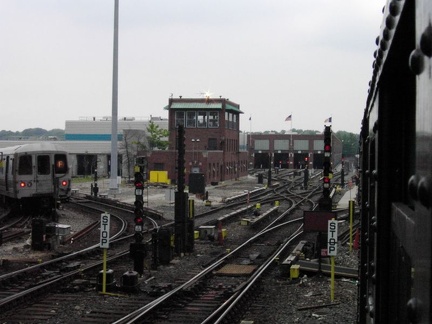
(344,201)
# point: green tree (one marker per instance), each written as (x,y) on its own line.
(350,143)
(134,143)
(157,137)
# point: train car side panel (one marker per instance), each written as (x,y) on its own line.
(421,180)
(396,171)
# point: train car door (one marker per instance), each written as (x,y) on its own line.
(44,180)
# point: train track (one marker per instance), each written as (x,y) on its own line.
(149,295)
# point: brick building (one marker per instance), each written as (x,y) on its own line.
(212,129)
(291,151)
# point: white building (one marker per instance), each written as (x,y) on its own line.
(88,141)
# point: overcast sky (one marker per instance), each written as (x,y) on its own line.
(309,58)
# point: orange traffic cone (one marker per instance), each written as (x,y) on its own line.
(357,239)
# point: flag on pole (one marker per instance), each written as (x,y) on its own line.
(289,118)
(328,120)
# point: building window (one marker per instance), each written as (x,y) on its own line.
(179,118)
(202,119)
(229,120)
(159,167)
(212,144)
(191,119)
(213,121)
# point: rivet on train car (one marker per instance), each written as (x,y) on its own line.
(412,186)
(424,191)
(373,224)
(394,8)
(386,34)
(383,45)
(380,53)
(414,310)
(426,41)
(376,69)
(375,175)
(378,61)
(390,22)
(416,61)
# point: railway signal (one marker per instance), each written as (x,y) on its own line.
(137,249)
(139,220)
(139,182)
(325,202)
(181,146)
(181,197)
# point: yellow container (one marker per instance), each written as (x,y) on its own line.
(224,233)
(196,235)
(159,177)
(294,271)
(258,206)
(244,222)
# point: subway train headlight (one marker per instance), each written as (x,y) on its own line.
(64,183)
(29,184)
(22,184)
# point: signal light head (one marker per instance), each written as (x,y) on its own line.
(139,220)
(326,182)
(139,185)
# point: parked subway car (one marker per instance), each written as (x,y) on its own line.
(396,171)
(34,175)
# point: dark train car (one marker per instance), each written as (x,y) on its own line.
(396,171)
(34,175)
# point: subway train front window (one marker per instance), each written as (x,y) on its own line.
(43,164)
(25,165)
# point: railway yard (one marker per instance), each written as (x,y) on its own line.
(177,291)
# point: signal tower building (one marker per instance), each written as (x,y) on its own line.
(212,130)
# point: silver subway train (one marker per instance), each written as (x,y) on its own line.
(34,175)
